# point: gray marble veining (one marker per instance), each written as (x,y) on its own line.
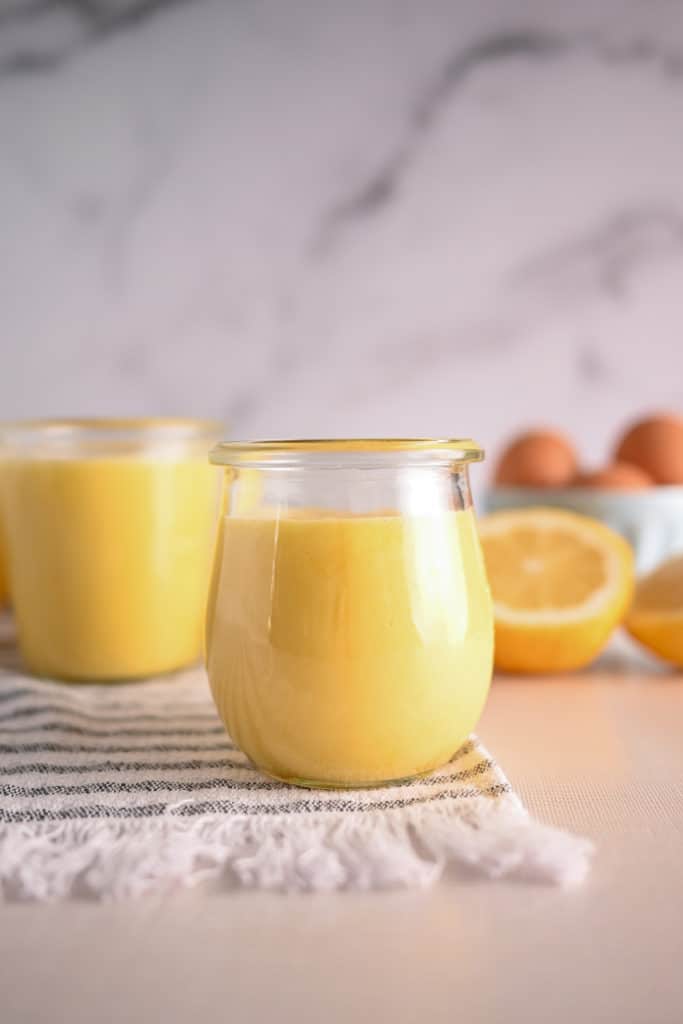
(40,36)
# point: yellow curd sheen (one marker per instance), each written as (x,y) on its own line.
(4,583)
(109,561)
(351,649)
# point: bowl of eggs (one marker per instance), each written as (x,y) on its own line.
(639,492)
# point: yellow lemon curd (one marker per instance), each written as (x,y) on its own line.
(4,584)
(349,650)
(109,561)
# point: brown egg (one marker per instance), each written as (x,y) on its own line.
(655,445)
(539,458)
(620,476)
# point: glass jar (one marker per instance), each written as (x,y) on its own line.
(349,629)
(109,528)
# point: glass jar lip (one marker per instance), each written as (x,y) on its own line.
(187,424)
(228,453)
(103,433)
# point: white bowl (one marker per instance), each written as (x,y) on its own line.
(651,520)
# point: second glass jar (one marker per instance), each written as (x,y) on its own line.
(109,527)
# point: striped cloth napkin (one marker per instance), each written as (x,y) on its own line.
(113,791)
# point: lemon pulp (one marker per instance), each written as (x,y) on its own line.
(561,582)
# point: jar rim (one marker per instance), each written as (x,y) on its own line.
(62,436)
(114,424)
(227,453)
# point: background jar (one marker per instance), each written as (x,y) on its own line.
(109,527)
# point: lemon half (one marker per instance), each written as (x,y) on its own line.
(656,616)
(561,582)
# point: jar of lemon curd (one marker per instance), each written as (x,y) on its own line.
(109,527)
(349,629)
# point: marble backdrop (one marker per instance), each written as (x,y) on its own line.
(407,217)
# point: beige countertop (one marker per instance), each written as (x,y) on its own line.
(601,753)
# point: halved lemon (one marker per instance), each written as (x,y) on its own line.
(561,582)
(656,616)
